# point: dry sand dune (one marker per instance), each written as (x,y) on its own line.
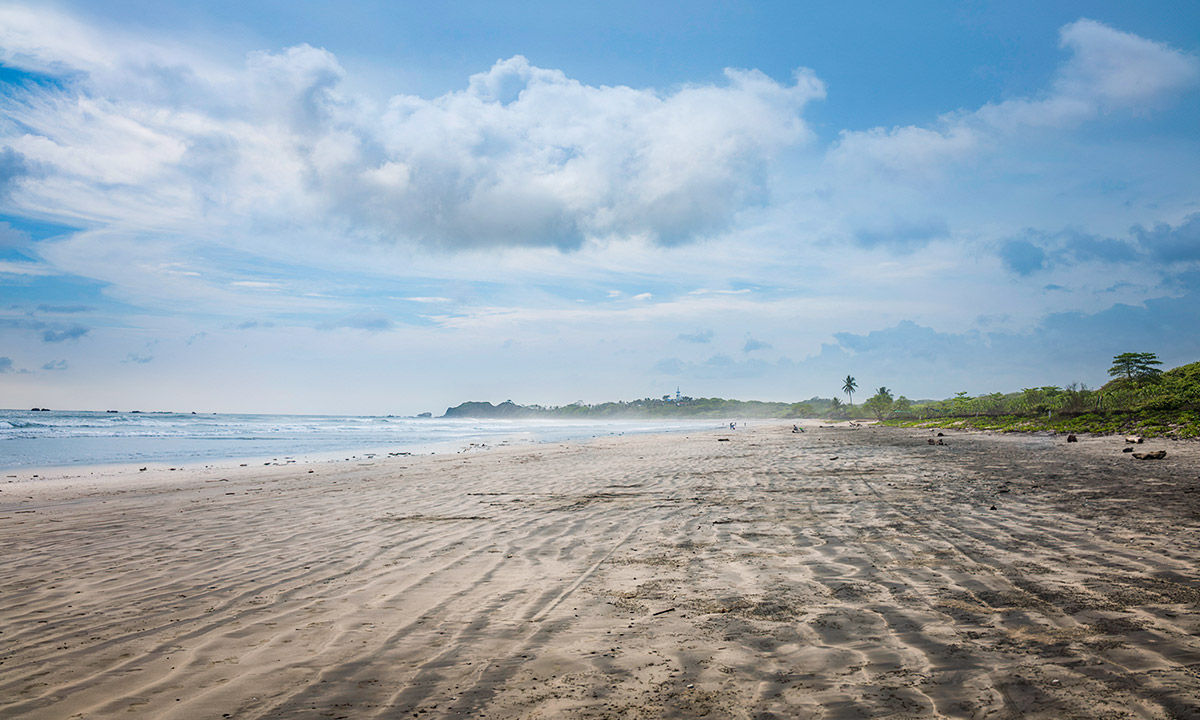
(838,573)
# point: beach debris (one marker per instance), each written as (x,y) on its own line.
(930,441)
(722,439)
(1151,455)
(941,434)
(141,469)
(992,507)
(1128,449)
(1133,439)
(662,612)
(1072,438)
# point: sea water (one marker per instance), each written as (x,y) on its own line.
(64,438)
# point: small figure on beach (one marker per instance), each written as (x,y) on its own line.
(733,426)
(797,429)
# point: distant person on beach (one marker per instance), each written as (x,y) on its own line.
(733,426)
(797,429)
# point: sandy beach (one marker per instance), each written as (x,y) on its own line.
(838,573)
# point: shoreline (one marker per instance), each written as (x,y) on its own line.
(836,573)
(183,458)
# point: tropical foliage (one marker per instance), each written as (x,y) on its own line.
(1141,399)
(849,386)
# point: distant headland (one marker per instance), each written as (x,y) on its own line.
(668,406)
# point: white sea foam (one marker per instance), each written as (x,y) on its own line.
(59,438)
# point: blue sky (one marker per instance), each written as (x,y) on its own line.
(384,207)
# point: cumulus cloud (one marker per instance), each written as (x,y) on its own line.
(753,344)
(55,365)
(1162,244)
(1113,70)
(1169,244)
(1107,71)
(6,365)
(138,358)
(153,137)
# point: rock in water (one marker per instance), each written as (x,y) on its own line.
(1072,438)
(1133,439)
(1151,455)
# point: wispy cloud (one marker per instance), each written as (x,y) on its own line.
(64,309)
(753,345)
(370,323)
(700,336)
(73,332)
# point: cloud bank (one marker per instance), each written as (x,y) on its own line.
(259,218)
(152,137)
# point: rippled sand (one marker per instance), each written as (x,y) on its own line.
(839,573)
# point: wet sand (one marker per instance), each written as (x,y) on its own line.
(839,573)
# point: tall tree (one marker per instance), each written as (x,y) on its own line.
(880,404)
(848,387)
(1137,367)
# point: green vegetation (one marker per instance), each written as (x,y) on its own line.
(665,407)
(1139,400)
(1135,367)
(848,387)
(880,404)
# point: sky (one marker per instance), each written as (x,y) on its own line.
(393,207)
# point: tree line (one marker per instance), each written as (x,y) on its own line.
(1137,385)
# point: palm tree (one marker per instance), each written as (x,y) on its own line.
(849,387)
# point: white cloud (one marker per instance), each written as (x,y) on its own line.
(8,267)
(1118,70)
(150,136)
(1108,71)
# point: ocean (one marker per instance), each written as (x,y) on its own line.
(64,438)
